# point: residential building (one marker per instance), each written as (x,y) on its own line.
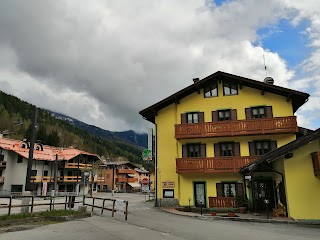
(298,165)
(207,131)
(66,166)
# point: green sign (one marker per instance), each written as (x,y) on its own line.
(147,155)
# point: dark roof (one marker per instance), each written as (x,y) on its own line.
(303,131)
(298,98)
(282,151)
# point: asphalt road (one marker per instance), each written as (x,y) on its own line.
(146,222)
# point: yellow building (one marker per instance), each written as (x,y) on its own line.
(298,162)
(207,131)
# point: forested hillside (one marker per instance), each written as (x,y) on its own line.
(15,120)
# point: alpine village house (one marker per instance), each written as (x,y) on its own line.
(208,131)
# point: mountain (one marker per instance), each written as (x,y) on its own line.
(130,136)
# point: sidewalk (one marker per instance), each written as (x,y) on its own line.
(248,217)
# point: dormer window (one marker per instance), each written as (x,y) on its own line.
(211,90)
(24,145)
(230,88)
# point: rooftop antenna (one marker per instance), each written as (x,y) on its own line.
(265,66)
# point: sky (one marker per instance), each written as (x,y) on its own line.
(102,61)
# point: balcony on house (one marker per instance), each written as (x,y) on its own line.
(237,127)
(75,165)
(1,180)
(69,178)
(38,179)
(212,165)
(126,171)
(129,180)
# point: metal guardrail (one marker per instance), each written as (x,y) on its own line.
(117,205)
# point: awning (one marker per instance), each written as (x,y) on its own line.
(131,175)
(134,185)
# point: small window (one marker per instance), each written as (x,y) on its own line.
(258,112)
(192,118)
(224,115)
(16,188)
(0,172)
(168,193)
(262,147)
(226,149)
(46,162)
(229,189)
(20,158)
(211,90)
(230,88)
(193,150)
(33,172)
(45,173)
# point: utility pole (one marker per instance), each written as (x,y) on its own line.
(30,159)
(55,179)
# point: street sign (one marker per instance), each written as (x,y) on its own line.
(145,181)
(146,155)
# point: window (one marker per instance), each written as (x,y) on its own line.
(45,173)
(229,189)
(20,158)
(192,118)
(0,173)
(262,147)
(258,112)
(193,150)
(16,188)
(46,163)
(168,193)
(211,90)
(226,149)
(33,172)
(224,115)
(230,88)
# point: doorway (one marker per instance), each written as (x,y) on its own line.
(200,194)
(263,194)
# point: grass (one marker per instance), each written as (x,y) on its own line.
(53,213)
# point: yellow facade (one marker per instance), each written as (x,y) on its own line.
(169,148)
(302,186)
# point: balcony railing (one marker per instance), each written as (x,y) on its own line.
(222,202)
(75,165)
(212,165)
(126,171)
(238,127)
(38,179)
(1,180)
(3,164)
(130,180)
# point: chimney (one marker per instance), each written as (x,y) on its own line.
(195,80)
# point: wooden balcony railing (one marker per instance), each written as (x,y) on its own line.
(1,180)
(126,171)
(238,127)
(75,165)
(69,178)
(101,179)
(222,202)
(3,164)
(38,179)
(212,165)
(127,180)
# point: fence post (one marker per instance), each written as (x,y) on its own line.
(65,203)
(32,201)
(50,203)
(10,202)
(84,197)
(126,210)
(92,204)
(102,206)
(113,207)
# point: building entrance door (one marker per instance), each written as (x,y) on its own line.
(200,194)
(263,195)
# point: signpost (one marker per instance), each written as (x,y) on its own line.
(146,155)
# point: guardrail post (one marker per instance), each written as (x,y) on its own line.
(50,203)
(92,204)
(65,203)
(84,197)
(32,201)
(103,206)
(126,210)
(114,201)
(10,202)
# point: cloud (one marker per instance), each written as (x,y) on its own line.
(103,61)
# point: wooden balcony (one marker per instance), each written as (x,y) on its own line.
(38,179)
(212,165)
(237,128)
(69,179)
(101,179)
(1,180)
(3,164)
(126,171)
(75,165)
(222,202)
(130,180)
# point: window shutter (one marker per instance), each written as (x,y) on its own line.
(248,113)
(217,150)
(201,117)
(236,147)
(184,151)
(214,116)
(269,112)
(252,150)
(183,118)
(234,114)
(203,150)
(219,190)
(239,190)
(273,145)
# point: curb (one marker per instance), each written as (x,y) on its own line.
(297,222)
